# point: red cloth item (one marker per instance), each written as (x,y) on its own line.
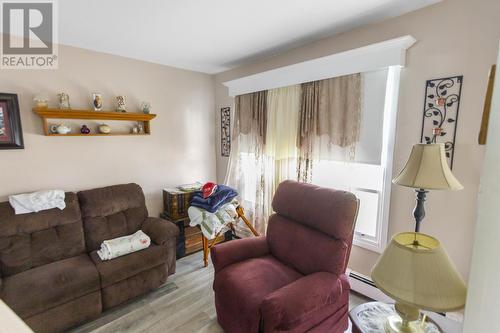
(208,189)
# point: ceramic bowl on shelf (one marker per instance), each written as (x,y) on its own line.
(104,129)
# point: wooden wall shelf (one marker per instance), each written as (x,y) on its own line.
(47,113)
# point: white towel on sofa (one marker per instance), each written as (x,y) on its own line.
(121,246)
(37,201)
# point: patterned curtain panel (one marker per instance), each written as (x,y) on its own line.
(309,110)
(330,117)
(251,113)
(247,169)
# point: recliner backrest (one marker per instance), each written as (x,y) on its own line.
(312,228)
(35,239)
(111,212)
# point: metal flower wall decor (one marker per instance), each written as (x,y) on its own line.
(439,121)
(225,131)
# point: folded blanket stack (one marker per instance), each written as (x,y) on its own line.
(213,223)
(222,195)
(120,246)
(37,201)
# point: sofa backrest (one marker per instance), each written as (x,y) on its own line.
(36,239)
(312,228)
(111,212)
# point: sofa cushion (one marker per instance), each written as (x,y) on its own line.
(111,212)
(35,239)
(121,268)
(134,286)
(67,315)
(41,288)
(241,287)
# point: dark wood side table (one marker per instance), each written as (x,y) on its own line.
(360,313)
(190,239)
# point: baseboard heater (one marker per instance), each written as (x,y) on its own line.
(363,285)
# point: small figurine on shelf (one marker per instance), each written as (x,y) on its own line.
(104,129)
(41,102)
(63,101)
(146,107)
(137,129)
(120,104)
(97,101)
(85,129)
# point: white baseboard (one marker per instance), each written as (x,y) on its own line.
(364,285)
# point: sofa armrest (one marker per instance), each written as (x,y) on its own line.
(301,302)
(225,254)
(159,230)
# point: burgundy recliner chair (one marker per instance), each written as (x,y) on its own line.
(293,279)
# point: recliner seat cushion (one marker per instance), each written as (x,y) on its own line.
(39,289)
(241,287)
(121,268)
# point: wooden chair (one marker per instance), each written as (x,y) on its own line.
(207,244)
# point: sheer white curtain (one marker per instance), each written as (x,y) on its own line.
(255,169)
(281,146)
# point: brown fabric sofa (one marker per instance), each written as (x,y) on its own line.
(50,273)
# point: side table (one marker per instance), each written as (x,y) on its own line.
(190,239)
(370,318)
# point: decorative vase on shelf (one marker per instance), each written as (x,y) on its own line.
(64,101)
(120,104)
(97,101)
(146,107)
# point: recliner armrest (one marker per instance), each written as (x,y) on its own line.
(159,230)
(234,251)
(300,302)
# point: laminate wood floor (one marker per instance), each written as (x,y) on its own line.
(184,304)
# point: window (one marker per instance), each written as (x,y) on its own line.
(369,175)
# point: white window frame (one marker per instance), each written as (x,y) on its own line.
(379,242)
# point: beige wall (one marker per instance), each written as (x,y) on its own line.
(454,37)
(483,298)
(180,149)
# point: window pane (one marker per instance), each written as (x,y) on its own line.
(368,213)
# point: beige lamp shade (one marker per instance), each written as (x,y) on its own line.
(415,270)
(427,169)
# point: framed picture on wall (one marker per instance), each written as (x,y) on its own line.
(11,133)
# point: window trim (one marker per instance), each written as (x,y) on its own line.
(371,57)
(379,243)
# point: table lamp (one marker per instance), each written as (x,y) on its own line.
(417,273)
(426,169)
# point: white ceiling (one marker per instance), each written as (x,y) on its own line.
(213,35)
